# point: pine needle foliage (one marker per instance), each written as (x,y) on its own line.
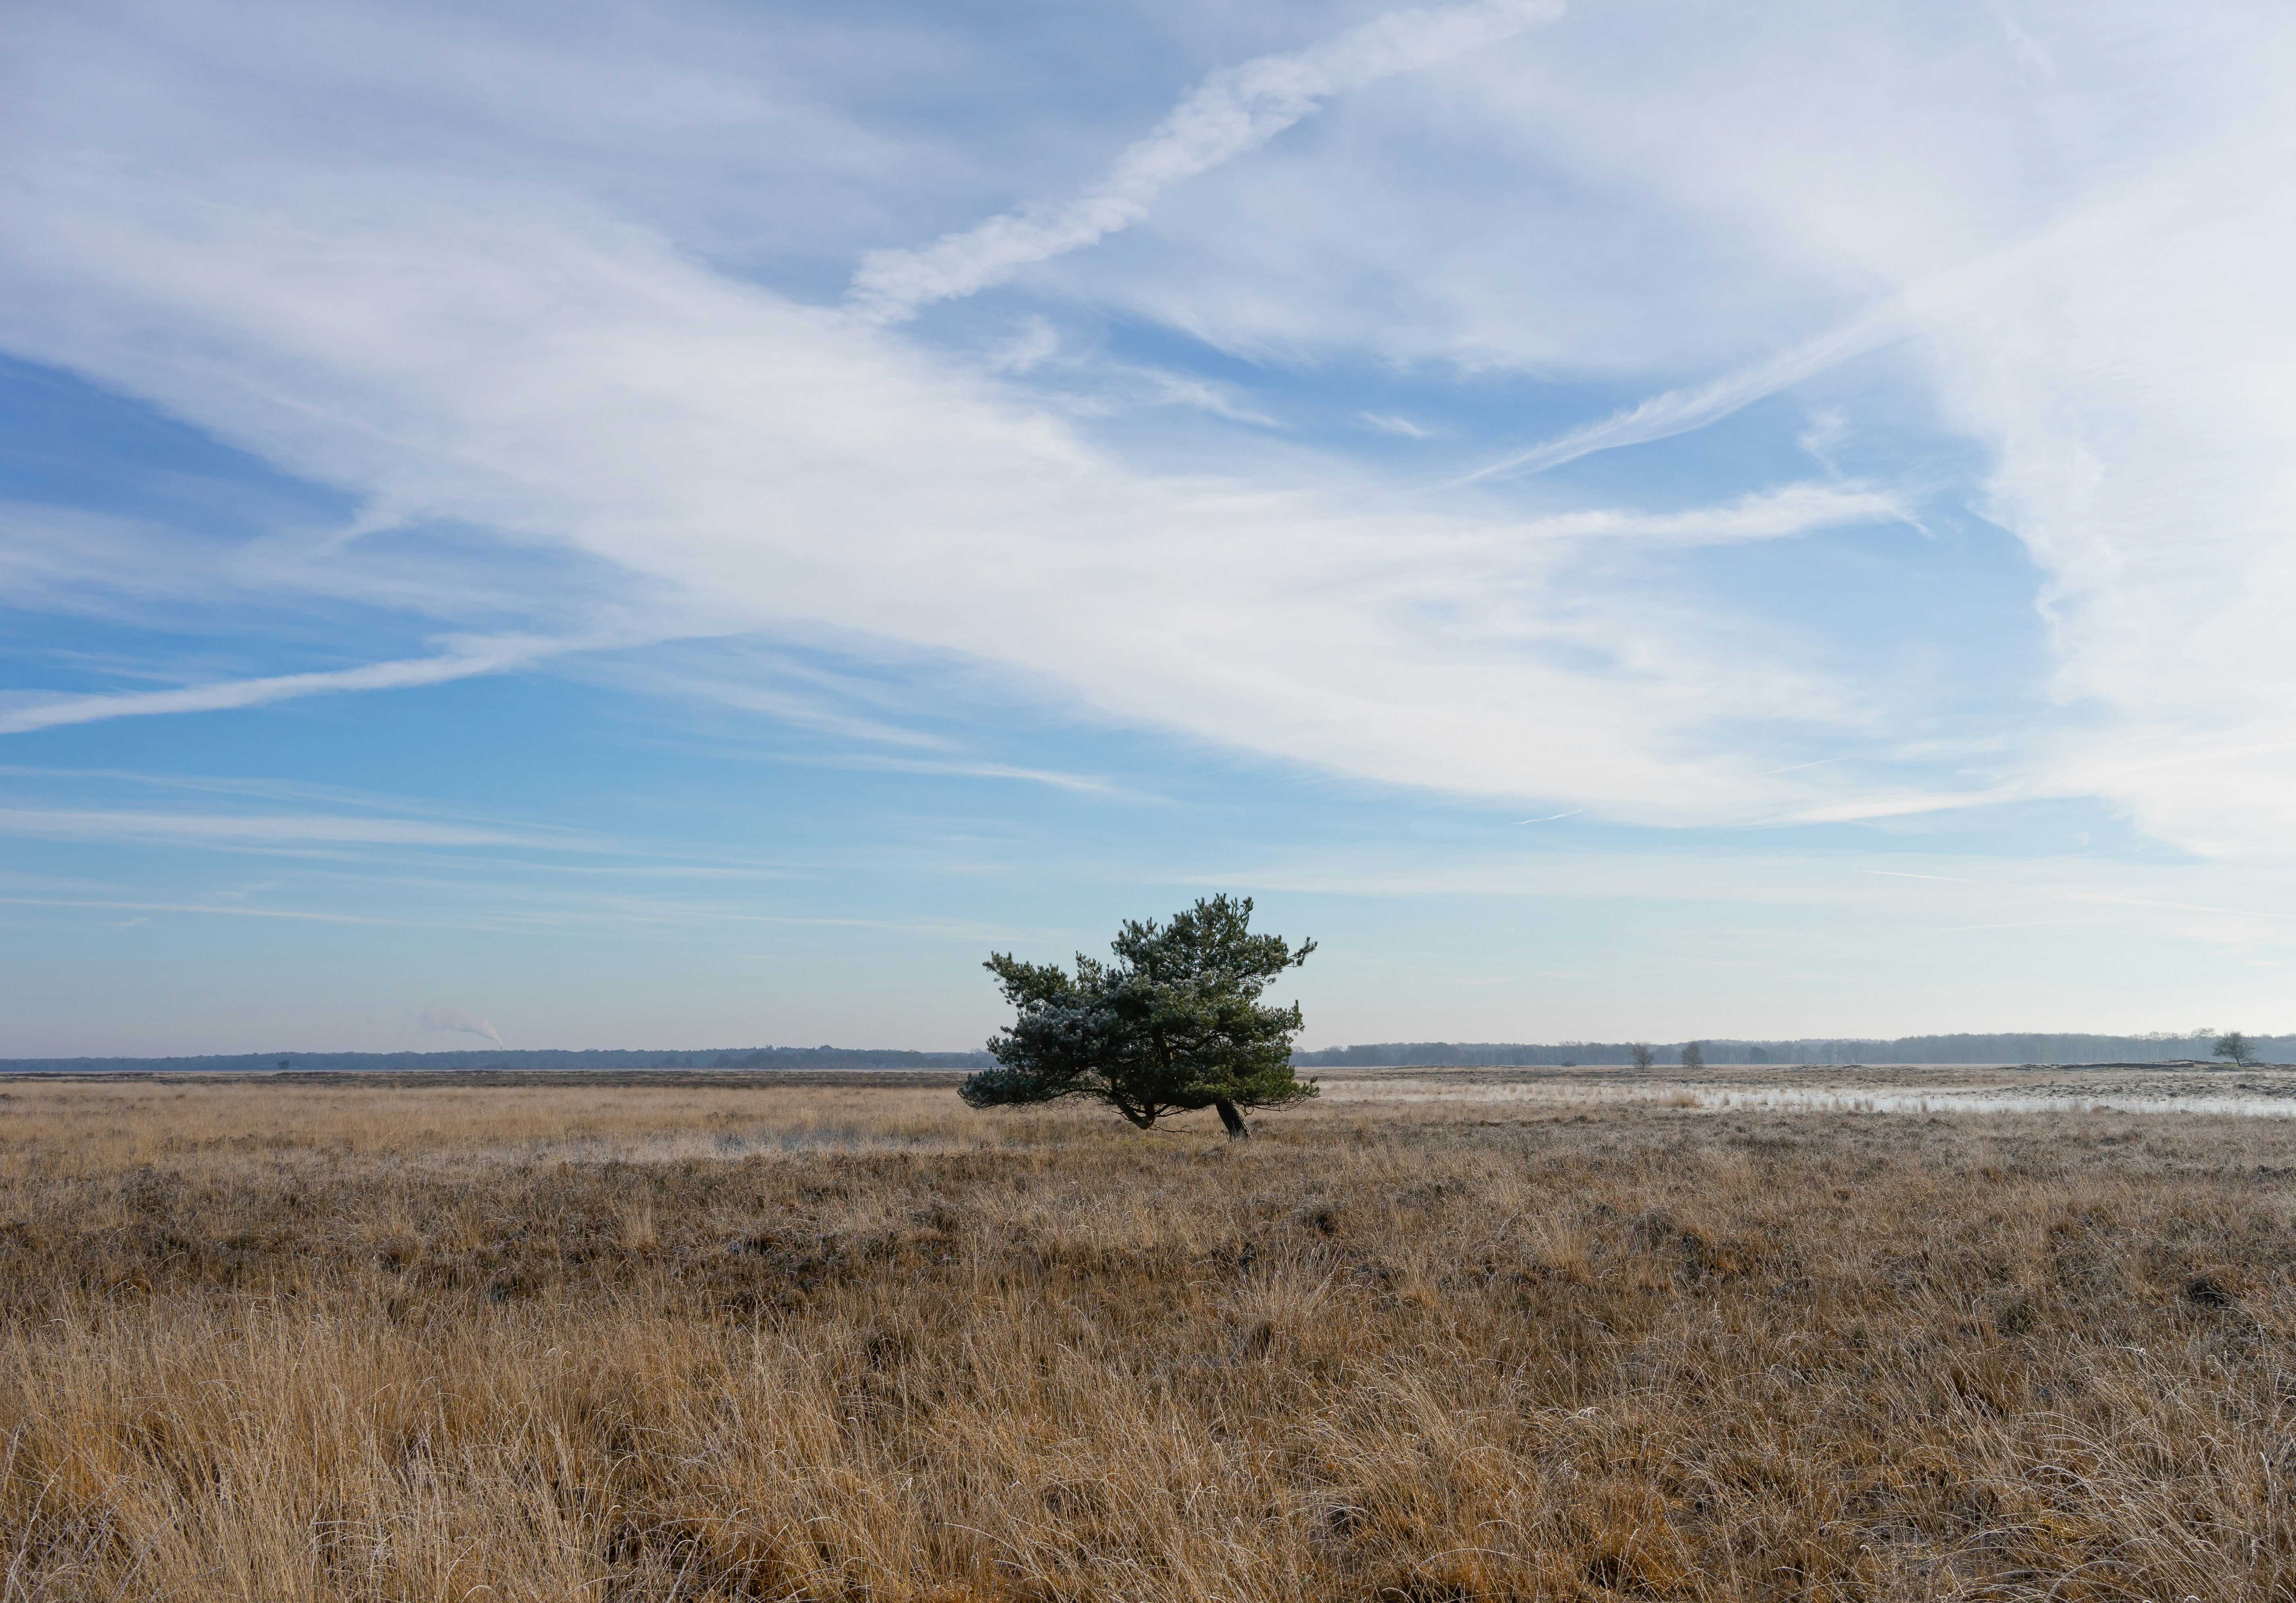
(1173,1024)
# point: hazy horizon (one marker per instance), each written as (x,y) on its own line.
(1951,1048)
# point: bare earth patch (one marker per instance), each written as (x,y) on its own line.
(1821,1334)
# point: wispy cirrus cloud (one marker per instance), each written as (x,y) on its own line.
(516,348)
(630,420)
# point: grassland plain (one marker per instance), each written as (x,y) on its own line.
(1433,1337)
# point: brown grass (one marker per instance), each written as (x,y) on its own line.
(695,1340)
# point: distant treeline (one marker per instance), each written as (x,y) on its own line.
(709,1058)
(1906,1048)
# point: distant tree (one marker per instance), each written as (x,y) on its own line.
(1642,1054)
(1693,1055)
(1174,1023)
(2234,1045)
(1756,1055)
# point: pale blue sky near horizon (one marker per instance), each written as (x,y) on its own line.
(632,526)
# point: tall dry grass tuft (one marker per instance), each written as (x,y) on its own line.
(649,1343)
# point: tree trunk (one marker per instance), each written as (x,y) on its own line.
(1237,1130)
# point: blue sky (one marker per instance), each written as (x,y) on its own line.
(688,524)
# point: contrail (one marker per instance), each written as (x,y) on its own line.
(1235,110)
(1681,411)
(493,658)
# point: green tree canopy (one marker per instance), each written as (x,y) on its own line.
(1174,1023)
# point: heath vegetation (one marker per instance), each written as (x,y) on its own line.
(748,1340)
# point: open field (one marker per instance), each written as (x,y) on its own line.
(1442,1335)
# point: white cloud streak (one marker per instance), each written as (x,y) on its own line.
(1233,111)
(263,829)
(496,657)
(1388,424)
(783,706)
(290,914)
(1082,783)
(1906,806)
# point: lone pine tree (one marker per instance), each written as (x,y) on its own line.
(1175,1023)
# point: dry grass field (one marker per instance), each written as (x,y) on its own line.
(1437,1336)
